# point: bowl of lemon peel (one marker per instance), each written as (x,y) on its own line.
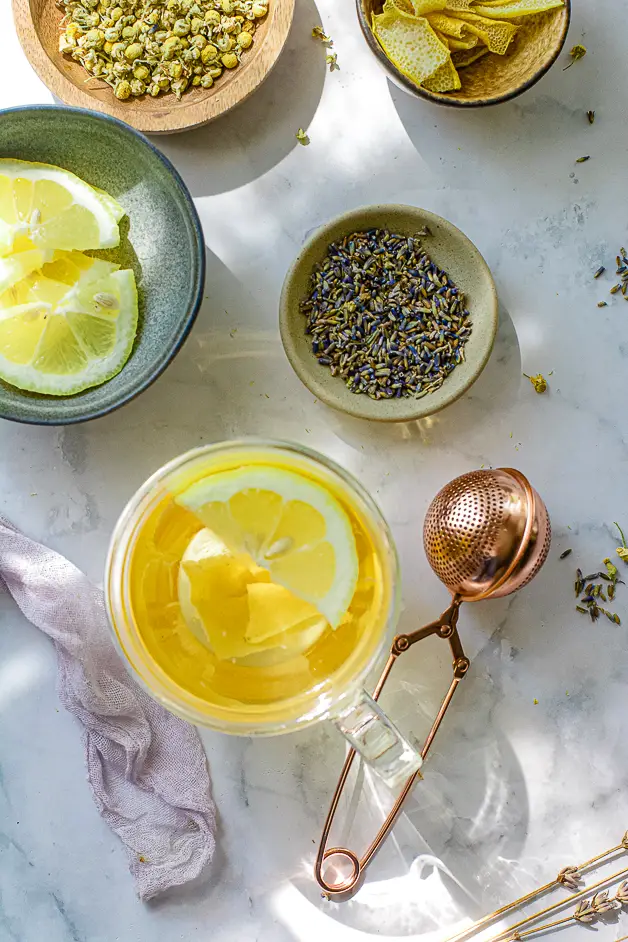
(102,264)
(465,53)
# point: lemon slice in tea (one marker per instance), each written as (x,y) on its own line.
(231,605)
(294,530)
(54,208)
(59,340)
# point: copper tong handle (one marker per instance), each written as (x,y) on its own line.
(445,627)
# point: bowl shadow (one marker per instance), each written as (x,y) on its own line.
(252,138)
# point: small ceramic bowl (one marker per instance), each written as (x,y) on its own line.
(161,239)
(450,249)
(37,23)
(492,79)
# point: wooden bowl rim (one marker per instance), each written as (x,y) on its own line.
(187,323)
(449,100)
(181,116)
(362,407)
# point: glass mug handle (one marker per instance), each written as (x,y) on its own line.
(377,740)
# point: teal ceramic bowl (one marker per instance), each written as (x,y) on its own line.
(162,241)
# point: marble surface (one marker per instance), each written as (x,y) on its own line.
(515,789)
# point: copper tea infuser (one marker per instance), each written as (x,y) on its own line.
(486,534)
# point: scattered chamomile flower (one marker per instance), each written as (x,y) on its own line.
(622,551)
(332,61)
(576,52)
(539,382)
(302,137)
(319,33)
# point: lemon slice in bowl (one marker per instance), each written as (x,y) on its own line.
(76,269)
(114,207)
(293,529)
(25,259)
(53,208)
(59,339)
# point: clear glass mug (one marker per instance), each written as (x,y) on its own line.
(287,689)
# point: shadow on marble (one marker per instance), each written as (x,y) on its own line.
(455,138)
(491,395)
(230,380)
(253,138)
(454,851)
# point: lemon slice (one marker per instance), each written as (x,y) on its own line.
(114,207)
(516,8)
(292,528)
(76,269)
(16,267)
(60,340)
(410,43)
(54,208)
(230,604)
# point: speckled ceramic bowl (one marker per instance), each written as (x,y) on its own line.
(162,241)
(452,251)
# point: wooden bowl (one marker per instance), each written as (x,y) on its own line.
(37,24)
(492,79)
(452,251)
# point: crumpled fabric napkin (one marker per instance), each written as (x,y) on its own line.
(146,768)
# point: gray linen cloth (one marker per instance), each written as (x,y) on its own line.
(146,768)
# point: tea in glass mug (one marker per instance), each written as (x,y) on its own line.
(252,586)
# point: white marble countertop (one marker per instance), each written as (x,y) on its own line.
(515,789)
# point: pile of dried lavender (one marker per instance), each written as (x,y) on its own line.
(591,593)
(622,270)
(594,593)
(384,318)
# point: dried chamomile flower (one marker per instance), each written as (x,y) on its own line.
(318,33)
(539,382)
(143,47)
(302,137)
(332,61)
(576,52)
(622,551)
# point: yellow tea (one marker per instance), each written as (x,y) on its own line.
(258,588)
